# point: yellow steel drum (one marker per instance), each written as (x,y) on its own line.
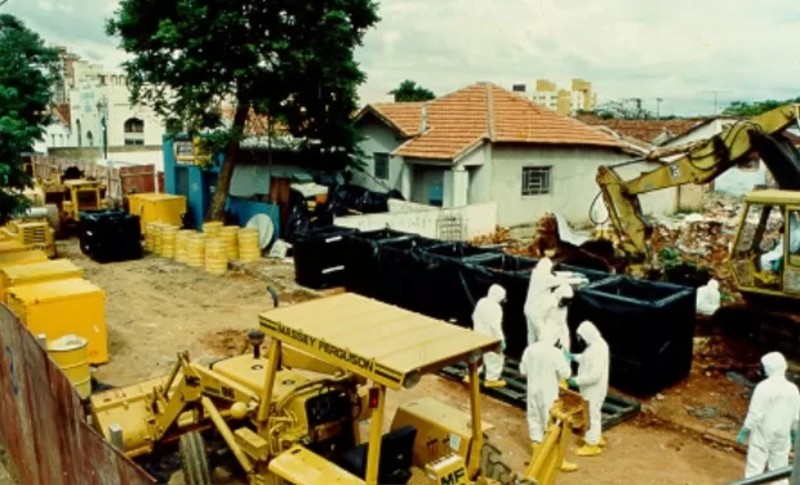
(70,355)
(212,228)
(181,244)
(231,236)
(249,249)
(216,256)
(196,250)
(168,234)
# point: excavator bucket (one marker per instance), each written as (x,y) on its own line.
(781,157)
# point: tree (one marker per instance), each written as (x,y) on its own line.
(747,109)
(291,60)
(409,90)
(27,71)
(626,109)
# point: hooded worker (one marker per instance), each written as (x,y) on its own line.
(487,319)
(555,313)
(592,381)
(771,419)
(708,298)
(544,366)
(541,285)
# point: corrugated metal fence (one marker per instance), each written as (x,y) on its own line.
(120,181)
(42,426)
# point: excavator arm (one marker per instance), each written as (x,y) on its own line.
(701,163)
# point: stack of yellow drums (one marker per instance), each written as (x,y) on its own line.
(216,255)
(168,234)
(231,236)
(181,244)
(212,228)
(195,250)
(249,249)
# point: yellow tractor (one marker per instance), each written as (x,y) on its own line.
(36,227)
(313,410)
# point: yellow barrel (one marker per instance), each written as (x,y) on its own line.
(70,355)
(157,228)
(231,236)
(149,236)
(249,249)
(195,250)
(168,234)
(212,228)
(181,244)
(216,256)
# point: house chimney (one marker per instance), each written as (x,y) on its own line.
(518,88)
(423,120)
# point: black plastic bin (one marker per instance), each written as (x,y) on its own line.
(649,327)
(319,256)
(399,270)
(363,273)
(109,235)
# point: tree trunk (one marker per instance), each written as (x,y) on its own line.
(217,209)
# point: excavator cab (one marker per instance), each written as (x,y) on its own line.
(765,258)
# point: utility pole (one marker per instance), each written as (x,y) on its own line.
(715,92)
(658,108)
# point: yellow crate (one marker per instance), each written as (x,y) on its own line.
(151,207)
(23,257)
(29,273)
(58,308)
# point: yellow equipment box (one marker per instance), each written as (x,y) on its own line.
(29,273)
(24,257)
(58,308)
(151,207)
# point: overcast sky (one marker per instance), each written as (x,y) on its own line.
(679,51)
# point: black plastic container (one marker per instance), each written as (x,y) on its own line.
(319,256)
(363,273)
(649,327)
(109,235)
(401,273)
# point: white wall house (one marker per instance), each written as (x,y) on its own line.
(484,143)
(127,124)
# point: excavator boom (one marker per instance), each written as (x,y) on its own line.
(702,163)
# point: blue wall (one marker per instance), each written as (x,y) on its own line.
(198,184)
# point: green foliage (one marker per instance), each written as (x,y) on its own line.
(27,71)
(292,59)
(748,109)
(409,90)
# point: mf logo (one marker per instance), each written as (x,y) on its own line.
(455,477)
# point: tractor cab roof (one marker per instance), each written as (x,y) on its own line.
(381,342)
(773,197)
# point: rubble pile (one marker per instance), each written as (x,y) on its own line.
(501,235)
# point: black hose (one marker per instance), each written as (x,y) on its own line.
(274,295)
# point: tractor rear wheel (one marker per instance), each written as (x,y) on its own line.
(193,459)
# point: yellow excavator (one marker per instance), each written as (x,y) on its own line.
(768,215)
(314,409)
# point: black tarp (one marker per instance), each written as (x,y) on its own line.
(319,256)
(649,327)
(109,235)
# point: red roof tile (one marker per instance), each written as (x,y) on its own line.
(462,120)
(645,130)
(62,113)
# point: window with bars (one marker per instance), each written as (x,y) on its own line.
(536,180)
(381,165)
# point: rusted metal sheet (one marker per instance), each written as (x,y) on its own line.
(42,424)
(137,179)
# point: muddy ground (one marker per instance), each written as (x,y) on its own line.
(156,308)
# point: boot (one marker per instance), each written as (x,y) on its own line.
(495,384)
(602,442)
(568,466)
(466,379)
(588,450)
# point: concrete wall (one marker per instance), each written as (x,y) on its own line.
(420,219)
(125,155)
(379,138)
(573,186)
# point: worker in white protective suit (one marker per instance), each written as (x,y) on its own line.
(541,285)
(555,313)
(545,366)
(771,420)
(708,298)
(487,319)
(592,381)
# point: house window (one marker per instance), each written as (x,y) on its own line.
(381,167)
(134,132)
(536,180)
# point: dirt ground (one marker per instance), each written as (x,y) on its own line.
(156,308)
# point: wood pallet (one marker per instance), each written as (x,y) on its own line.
(616,409)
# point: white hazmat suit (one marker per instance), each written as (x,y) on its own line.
(544,366)
(555,314)
(540,287)
(773,413)
(487,319)
(592,378)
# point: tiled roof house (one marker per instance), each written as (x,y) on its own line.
(484,143)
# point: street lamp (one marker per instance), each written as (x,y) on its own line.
(102,110)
